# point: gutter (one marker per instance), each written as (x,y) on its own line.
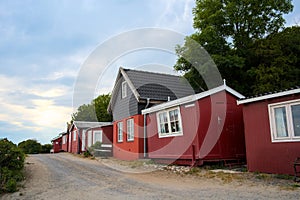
(145,129)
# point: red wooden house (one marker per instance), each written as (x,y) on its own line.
(77,133)
(272,131)
(57,143)
(102,133)
(207,126)
(133,91)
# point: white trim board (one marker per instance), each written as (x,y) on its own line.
(269,96)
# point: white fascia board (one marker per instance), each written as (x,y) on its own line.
(268,96)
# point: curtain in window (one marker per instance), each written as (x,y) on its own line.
(296,119)
(280,121)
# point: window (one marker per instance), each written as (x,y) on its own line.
(124,90)
(74,135)
(130,130)
(169,123)
(120,131)
(285,121)
(97,137)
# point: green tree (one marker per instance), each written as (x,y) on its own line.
(95,111)
(276,61)
(46,148)
(101,104)
(30,146)
(11,165)
(227,29)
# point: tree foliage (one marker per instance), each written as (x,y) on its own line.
(46,148)
(30,146)
(228,30)
(11,165)
(95,111)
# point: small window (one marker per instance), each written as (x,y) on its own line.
(97,137)
(285,121)
(124,90)
(120,131)
(130,130)
(169,123)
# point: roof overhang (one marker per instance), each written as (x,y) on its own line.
(268,96)
(192,98)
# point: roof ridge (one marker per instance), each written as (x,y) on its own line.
(151,72)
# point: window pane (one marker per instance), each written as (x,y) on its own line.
(296,119)
(171,113)
(280,121)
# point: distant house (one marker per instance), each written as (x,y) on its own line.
(207,126)
(103,134)
(77,135)
(272,131)
(134,91)
(57,144)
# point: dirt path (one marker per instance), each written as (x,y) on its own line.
(64,176)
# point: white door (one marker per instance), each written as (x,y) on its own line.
(90,138)
(83,141)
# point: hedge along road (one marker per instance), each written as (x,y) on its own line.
(65,176)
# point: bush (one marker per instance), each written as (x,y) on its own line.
(46,148)
(11,165)
(30,147)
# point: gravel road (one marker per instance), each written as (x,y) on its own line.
(65,176)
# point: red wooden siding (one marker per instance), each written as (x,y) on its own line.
(262,154)
(129,150)
(198,121)
(75,146)
(57,144)
(64,145)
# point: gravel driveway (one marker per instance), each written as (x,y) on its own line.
(65,176)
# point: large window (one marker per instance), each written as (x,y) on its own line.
(169,123)
(64,139)
(130,130)
(120,131)
(97,137)
(83,140)
(285,121)
(124,90)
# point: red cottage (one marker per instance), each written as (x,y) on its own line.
(77,135)
(103,134)
(207,126)
(57,143)
(272,131)
(133,91)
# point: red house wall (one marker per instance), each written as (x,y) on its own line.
(129,150)
(64,147)
(57,145)
(77,143)
(262,154)
(199,120)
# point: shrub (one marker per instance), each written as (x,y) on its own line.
(46,148)
(11,165)
(30,146)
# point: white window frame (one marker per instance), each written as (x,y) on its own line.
(290,129)
(124,89)
(130,129)
(64,139)
(94,136)
(170,133)
(74,135)
(120,131)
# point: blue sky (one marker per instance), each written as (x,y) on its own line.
(44,44)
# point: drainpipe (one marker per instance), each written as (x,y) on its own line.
(145,129)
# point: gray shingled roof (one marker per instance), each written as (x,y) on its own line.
(157,86)
(84,125)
